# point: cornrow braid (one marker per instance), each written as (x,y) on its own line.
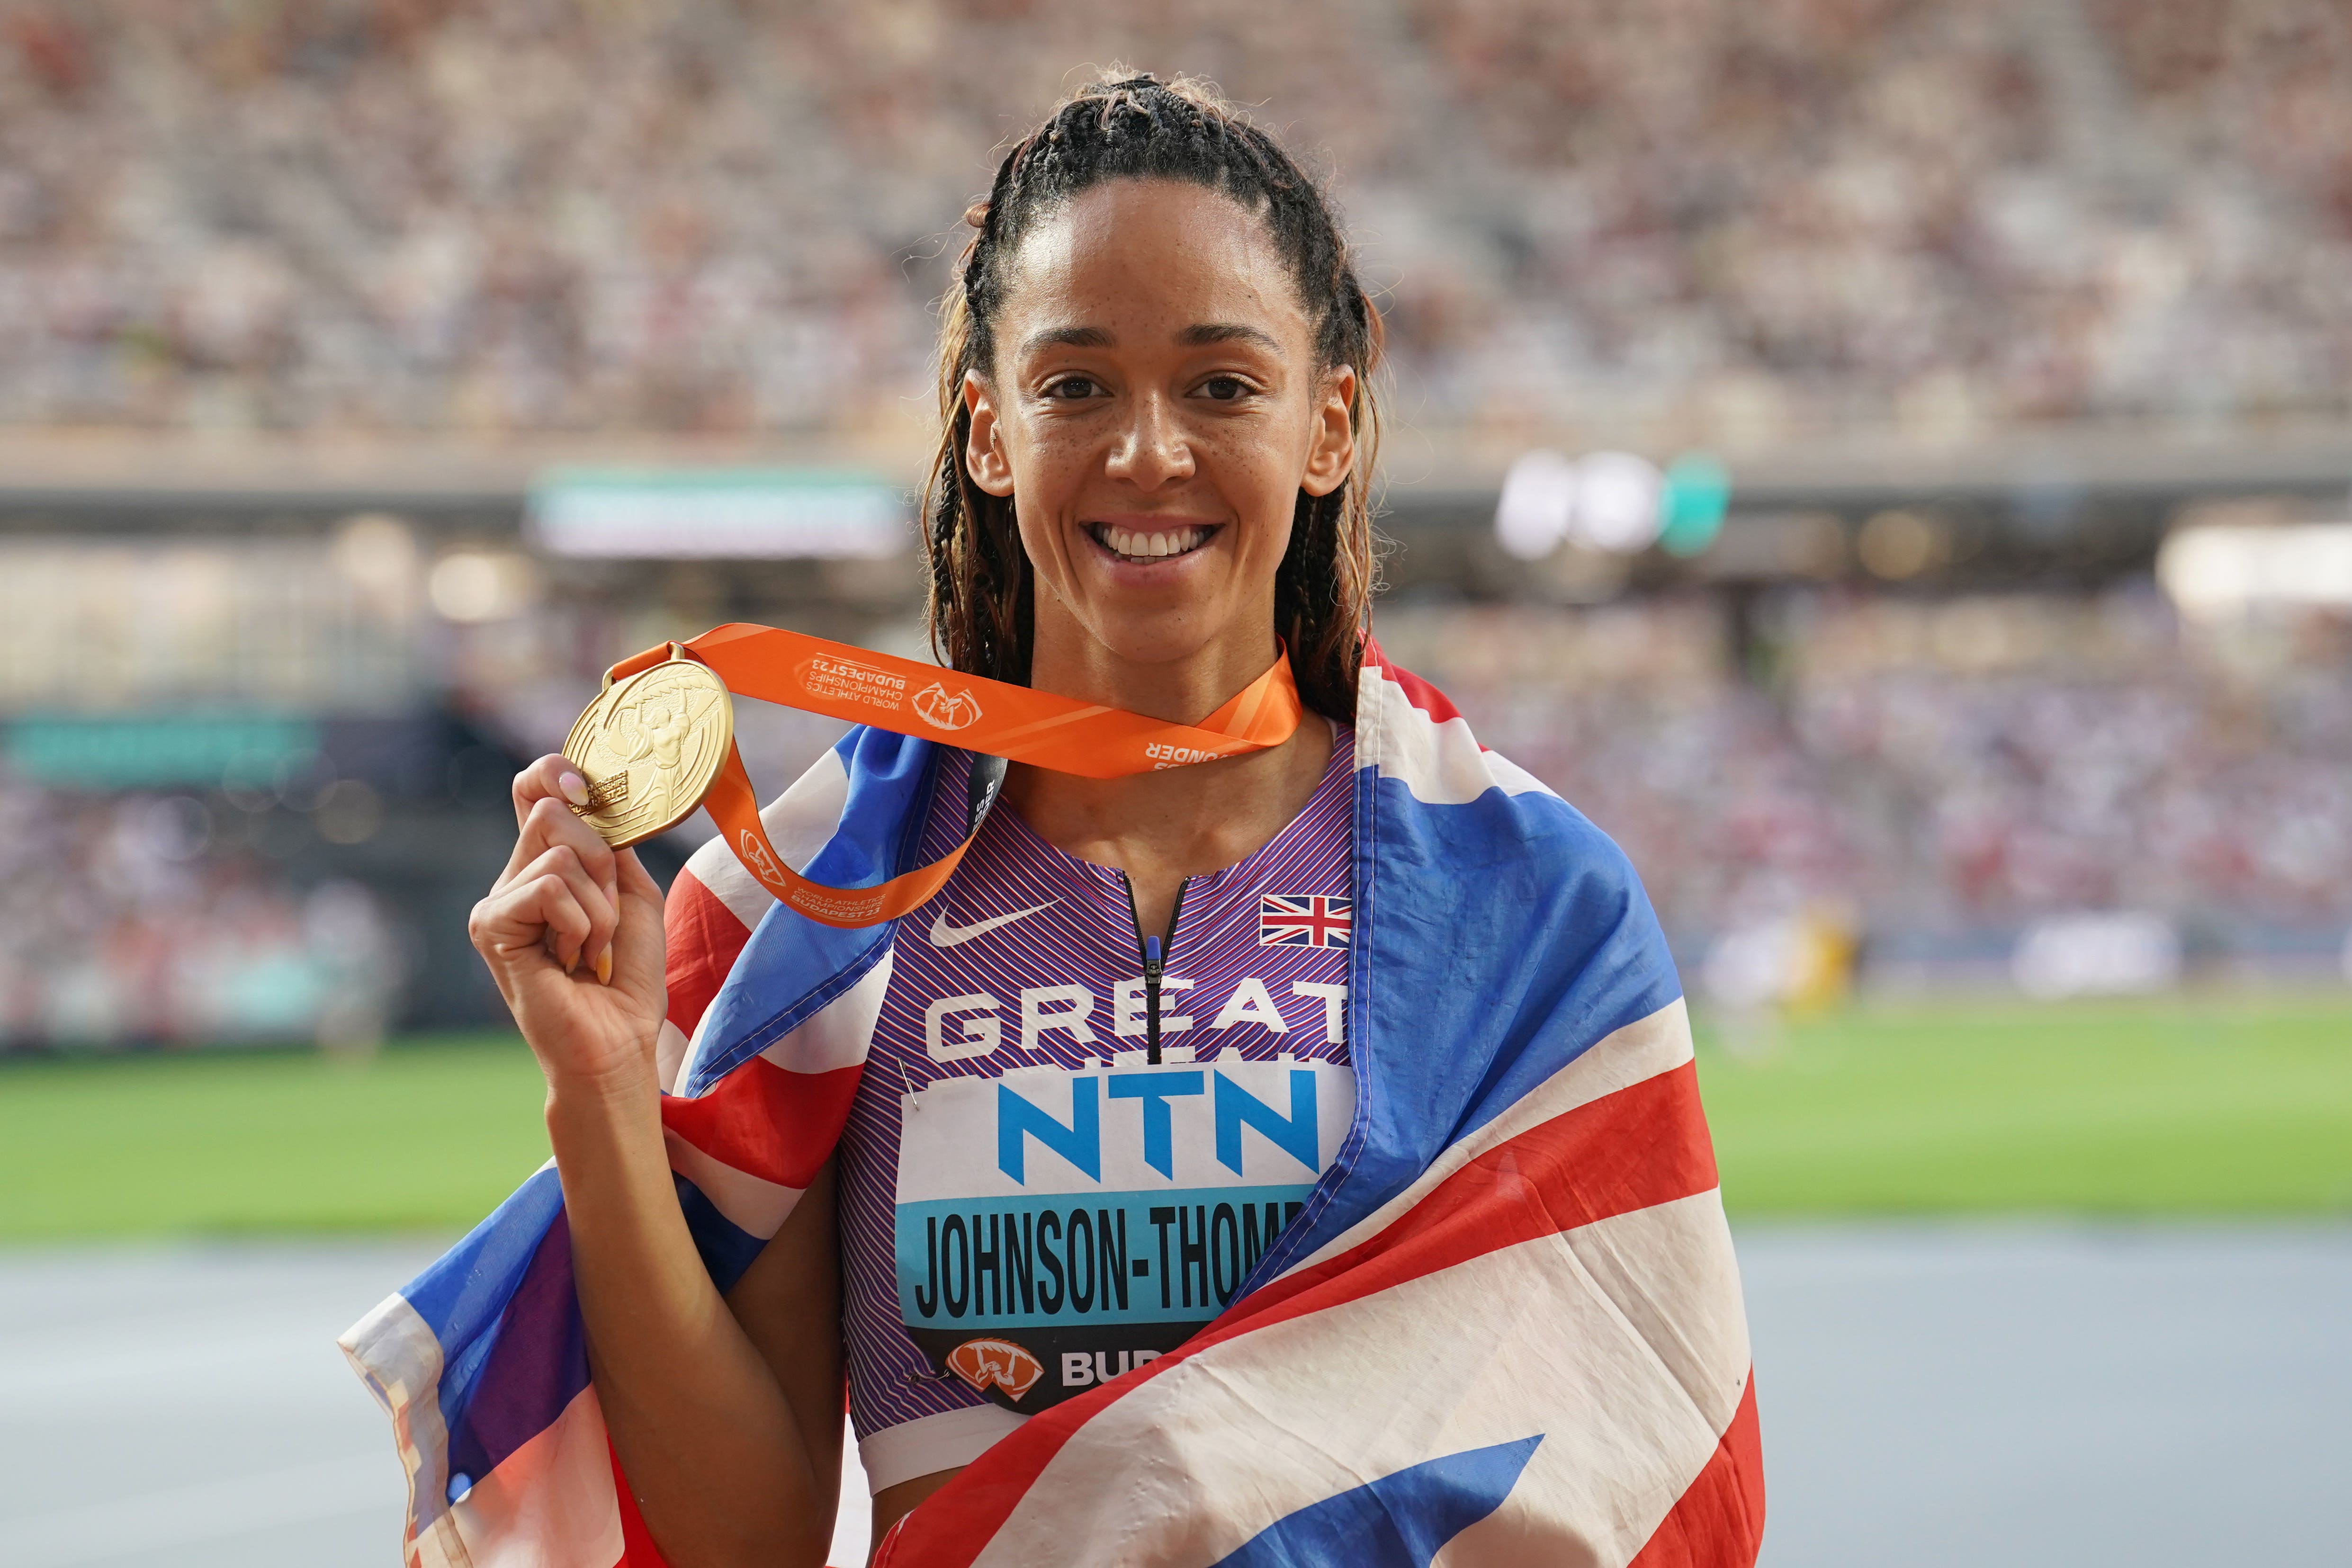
(981,606)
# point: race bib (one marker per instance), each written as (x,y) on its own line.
(1055,1228)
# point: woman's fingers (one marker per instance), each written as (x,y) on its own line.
(513,926)
(552,776)
(568,938)
(544,795)
(603,909)
(550,825)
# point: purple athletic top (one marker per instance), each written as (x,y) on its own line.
(1029,1206)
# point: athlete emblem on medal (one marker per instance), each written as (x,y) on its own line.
(649,747)
(943,709)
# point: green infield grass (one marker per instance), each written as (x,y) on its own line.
(429,1135)
(2196,1106)
(2208,1104)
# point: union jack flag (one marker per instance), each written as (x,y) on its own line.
(1303,921)
(1522,1235)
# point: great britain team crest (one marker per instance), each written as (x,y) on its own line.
(1303,920)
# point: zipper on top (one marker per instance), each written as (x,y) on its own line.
(1155,951)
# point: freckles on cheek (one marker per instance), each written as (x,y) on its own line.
(1054,455)
(1258,468)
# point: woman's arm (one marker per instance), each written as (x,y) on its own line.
(728,1429)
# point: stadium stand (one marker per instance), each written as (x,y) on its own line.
(1973,301)
(1940,772)
(1727,219)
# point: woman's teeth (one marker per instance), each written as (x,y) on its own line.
(1130,544)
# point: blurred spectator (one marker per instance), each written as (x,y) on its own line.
(1949,770)
(135,918)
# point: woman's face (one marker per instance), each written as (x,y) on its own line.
(1154,410)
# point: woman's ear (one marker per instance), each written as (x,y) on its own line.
(1332,455)
(984,452)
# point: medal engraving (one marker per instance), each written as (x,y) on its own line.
(650,748)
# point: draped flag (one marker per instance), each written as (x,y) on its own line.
(1505,1330)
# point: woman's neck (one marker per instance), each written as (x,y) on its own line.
(1186,690)
(1163,827)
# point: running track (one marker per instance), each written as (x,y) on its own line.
(1931,1397)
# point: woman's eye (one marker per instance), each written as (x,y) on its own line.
(1225,389)
(1073,389)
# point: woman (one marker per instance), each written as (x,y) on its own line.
(1158,419)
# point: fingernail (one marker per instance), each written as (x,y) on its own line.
(605,967)
(572,962)
(574,788)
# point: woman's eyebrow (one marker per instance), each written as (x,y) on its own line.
(1210,332)
(1066,338)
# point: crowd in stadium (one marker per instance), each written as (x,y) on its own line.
(1734,219)
(1932,774)
(1935,773)
(1710,222)
(140,917)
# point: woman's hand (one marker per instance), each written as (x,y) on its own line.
(573,933)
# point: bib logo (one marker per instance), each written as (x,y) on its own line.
(943,709)
(998,1361)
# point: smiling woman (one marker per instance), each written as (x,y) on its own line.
(1159,299)
(1145,1088)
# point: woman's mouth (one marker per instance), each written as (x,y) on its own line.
(1145,547)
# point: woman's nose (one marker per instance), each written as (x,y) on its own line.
(1153,449)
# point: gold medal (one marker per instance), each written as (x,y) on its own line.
(659,740)
(650,746)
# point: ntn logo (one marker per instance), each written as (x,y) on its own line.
(1295,1131)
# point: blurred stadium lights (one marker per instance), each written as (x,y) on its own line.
(2125,953)
(1538,496)
(746,514)
(1616,502)
(378,554)
(2215,570)
(1899,543)
(474,586)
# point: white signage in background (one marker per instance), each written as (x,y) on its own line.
(1617,496)
(2096,955)
(1539,497)
(2214,570)
(1609,501)
(749,513)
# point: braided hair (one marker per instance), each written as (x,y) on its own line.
(980,608)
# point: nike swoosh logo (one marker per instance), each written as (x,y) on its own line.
(946,936)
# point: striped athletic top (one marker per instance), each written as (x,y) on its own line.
(1029,1205)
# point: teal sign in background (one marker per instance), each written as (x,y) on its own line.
(159,751)
(1697,494)
(655,514)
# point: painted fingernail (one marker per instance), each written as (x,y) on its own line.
(574,788)
(572,962)
(605,967)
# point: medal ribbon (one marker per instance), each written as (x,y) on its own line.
(995,719)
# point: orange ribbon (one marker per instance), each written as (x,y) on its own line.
(995,720)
